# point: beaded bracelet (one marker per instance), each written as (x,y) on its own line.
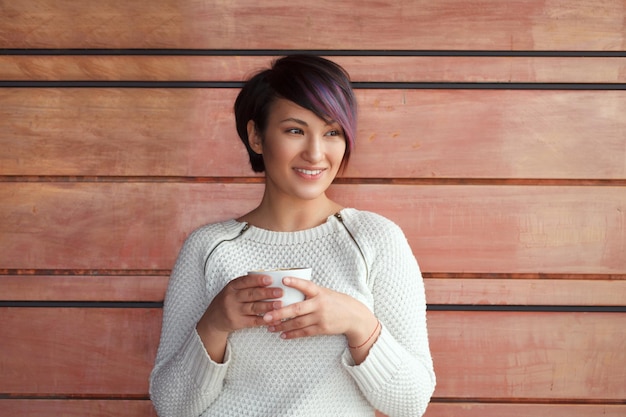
(369,338)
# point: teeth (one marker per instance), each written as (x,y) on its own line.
(310,172)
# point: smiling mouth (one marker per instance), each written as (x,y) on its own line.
(309,172)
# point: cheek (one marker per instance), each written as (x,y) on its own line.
(344,158)
(283,153)
(339,152)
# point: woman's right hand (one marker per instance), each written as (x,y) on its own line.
(241,304)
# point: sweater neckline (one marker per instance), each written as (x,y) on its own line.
(252,232)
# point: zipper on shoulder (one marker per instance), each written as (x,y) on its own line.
(340,218)
(243,230)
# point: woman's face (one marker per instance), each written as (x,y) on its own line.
(302,153)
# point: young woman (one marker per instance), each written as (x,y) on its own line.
(358,342)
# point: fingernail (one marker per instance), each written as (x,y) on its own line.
(286,280)
(268,317)
(271,328)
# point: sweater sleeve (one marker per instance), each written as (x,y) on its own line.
(185,381)
(397,377)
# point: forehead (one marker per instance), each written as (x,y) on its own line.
(283,110)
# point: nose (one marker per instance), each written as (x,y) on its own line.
(313,151)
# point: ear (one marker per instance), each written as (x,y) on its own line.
(254,138)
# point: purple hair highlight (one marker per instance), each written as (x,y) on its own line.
(335,106)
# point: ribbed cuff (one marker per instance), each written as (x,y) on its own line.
(381,364)
(198,364)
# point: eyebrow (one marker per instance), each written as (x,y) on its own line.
(293,119)
(303,123)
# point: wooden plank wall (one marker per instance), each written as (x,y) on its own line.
(493,132)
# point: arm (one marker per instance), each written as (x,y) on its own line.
(198,316)
(185,381)
(397,376)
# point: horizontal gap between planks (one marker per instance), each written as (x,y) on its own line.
(325,52)
(87,397)
(526,308)
(86,272)
(81,304)
(554,401)
(430,307)
(427,275)
(439,400)
(356,85)
(620,182)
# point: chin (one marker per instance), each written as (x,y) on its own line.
(310,196)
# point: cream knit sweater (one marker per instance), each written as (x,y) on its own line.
(355,252)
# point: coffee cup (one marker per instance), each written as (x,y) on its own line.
(290,295)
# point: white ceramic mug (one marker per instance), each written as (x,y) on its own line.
(290,295)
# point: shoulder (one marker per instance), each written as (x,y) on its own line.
(206,236)
(372,227)
(382,241)
(369,221)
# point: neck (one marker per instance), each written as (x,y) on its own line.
(289,216)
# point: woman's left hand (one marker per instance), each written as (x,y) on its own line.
(323,312)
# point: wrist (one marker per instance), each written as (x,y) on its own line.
(366,336)
(214,341)
(206,328)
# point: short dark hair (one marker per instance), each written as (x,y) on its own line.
(312,82)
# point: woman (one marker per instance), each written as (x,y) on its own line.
(358,342)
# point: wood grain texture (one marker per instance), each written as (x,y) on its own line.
(533,356)
(524,410)
(488,134)
(77,408)
(124,288)
(143,408)
(508,196)
(403,25)
(88,351)
(432,69)
(451,229)
(550,291)
(526,292)
(549,356)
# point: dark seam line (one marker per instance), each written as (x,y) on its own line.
(116,273)
(29,272)
(75,397)
(121,84)
(430,307)
(488,86)
(440,400)
(527,308)
(325,52)
(83,304)
(390,181)
(515,401)
(356,85)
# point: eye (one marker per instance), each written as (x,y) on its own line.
(334,132)
(295,131)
